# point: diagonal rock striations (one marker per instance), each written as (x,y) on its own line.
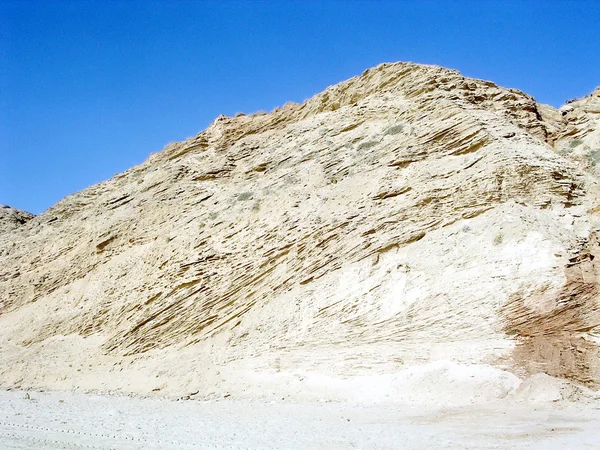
(404,216)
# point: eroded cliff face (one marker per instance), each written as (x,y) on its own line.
(404,216)
(574,130)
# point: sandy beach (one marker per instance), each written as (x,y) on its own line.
(75,420)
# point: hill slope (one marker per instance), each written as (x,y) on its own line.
(403,217)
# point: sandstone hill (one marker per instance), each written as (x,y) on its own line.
(405,225)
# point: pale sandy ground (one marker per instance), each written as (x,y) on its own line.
(73,420)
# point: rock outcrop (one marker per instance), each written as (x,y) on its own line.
(402,217)
(11,218)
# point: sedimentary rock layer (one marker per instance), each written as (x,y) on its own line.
(403,216)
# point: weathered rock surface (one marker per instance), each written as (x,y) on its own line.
(575,130)
(11,218)
(403,217)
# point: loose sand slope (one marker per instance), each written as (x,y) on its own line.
(409,219)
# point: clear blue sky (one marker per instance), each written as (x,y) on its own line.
(88,89)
